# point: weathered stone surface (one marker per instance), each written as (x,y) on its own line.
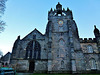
(59,49)
(20,65)
(40,65)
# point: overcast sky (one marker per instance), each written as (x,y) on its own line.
(22,16)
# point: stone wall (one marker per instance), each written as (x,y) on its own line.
(85,49)
(20,65)
(89,55)
(40,66)
(59,49)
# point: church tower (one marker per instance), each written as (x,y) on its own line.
(59,50)
(63,40)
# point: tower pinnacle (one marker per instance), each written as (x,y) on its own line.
(59,8)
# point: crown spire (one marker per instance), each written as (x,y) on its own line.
(58,5)
(59,8)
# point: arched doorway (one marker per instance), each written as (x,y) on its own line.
(31,65)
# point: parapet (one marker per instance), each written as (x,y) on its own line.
(87,40)
(60,12)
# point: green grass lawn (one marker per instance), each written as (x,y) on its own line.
(61,74)
(50,74)
(64,74)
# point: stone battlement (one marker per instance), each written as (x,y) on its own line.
(87,40)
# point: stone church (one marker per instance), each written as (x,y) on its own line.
(59,50)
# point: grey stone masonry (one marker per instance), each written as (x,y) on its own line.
(59,50)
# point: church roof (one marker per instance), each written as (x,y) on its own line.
(34,32)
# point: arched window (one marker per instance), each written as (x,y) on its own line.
(62,48)
(90,49)
(37,50)
(62,64)
(61,43)
(29,50)
(73,65)
(93,64)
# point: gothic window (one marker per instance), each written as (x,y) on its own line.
(62,64)
(29,49)
(73,65)
(33,48)
(93,64)
(61,48)
(61,42)
(90,49)
(37,50)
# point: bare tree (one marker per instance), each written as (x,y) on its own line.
(2,24)
(2,9)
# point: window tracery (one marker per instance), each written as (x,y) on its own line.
(33,50)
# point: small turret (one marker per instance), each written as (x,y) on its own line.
(18,38)
(17,41)
(68,9)
(59,8)
(51,10)
(69,14)
(59,11)
(15,48)
(50,13)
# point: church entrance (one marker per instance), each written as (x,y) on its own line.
(31,66)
